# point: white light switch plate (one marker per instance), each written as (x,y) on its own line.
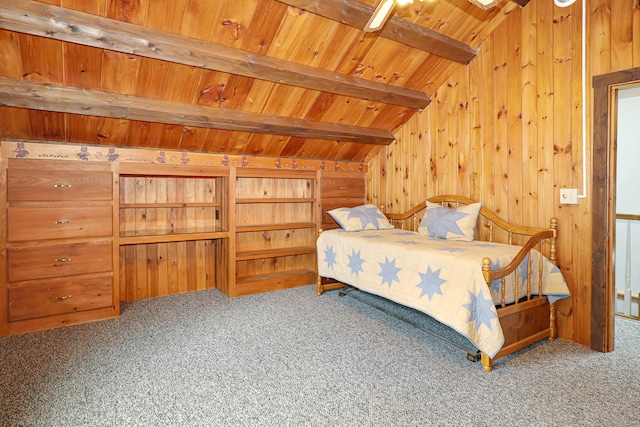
(568,196)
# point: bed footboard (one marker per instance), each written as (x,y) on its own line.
(523,322)
(522,325)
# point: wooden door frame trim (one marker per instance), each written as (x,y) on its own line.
(603,206)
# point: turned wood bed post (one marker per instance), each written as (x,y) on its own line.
(553,225)
(319,288)
(487,362)
(552,322)
(486,269)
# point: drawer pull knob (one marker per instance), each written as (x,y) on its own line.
(62,259)
(344,188)
(63,221)
(62,185)
(64,297)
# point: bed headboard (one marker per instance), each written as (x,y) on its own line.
(490,226)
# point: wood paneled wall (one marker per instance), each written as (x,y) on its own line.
(507,130)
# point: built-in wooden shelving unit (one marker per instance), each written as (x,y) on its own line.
(173,228)
(84,228)
(276,223)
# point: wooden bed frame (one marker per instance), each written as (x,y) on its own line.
(524,322)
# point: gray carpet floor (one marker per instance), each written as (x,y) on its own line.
(291,358)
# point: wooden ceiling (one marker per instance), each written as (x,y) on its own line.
(258,77)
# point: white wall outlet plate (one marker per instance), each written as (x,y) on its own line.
(568,196)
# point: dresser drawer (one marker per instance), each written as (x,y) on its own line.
(70,296)
(58,223)
(53,181)
(337,187)
(60,260)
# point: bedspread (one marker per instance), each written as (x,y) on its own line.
(438,277)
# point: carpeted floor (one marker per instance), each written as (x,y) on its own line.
(291,358)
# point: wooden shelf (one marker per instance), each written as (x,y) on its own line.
(274,281)
(181,171)
(269,227)
(275,200)
(169,205)
(143,237)
(273,253)
(275,173)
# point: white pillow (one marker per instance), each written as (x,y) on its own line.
(365,217)
(450,224)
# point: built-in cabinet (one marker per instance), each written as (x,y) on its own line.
(59,247)
(173,229)
(340,190)
(276,219)
(78,237)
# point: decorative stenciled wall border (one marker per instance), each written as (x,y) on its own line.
(102,153)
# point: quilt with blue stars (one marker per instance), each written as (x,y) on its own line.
(439,277)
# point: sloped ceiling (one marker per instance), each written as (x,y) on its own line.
(265,77)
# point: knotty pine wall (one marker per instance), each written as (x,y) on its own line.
(507,130)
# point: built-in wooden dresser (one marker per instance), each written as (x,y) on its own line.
(59,244)
(340,190)
(84,228)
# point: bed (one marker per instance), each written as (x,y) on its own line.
(443,258)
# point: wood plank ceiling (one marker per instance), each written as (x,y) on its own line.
(280,78)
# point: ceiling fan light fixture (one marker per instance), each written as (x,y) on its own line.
(380,16)
(382,13)
(486,4)
(386,7)
(564,3)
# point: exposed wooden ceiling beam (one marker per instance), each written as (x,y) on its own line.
(65,99)
(356,14)
(58,23)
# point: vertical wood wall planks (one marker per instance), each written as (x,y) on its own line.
(475,131)
(464,151)
(500,143)
(622,36)
(452,117)
(513,148)
(529,61)
(563,173)
(543,57)
(577,181)
(529,71)
(546,117)
(487,100)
